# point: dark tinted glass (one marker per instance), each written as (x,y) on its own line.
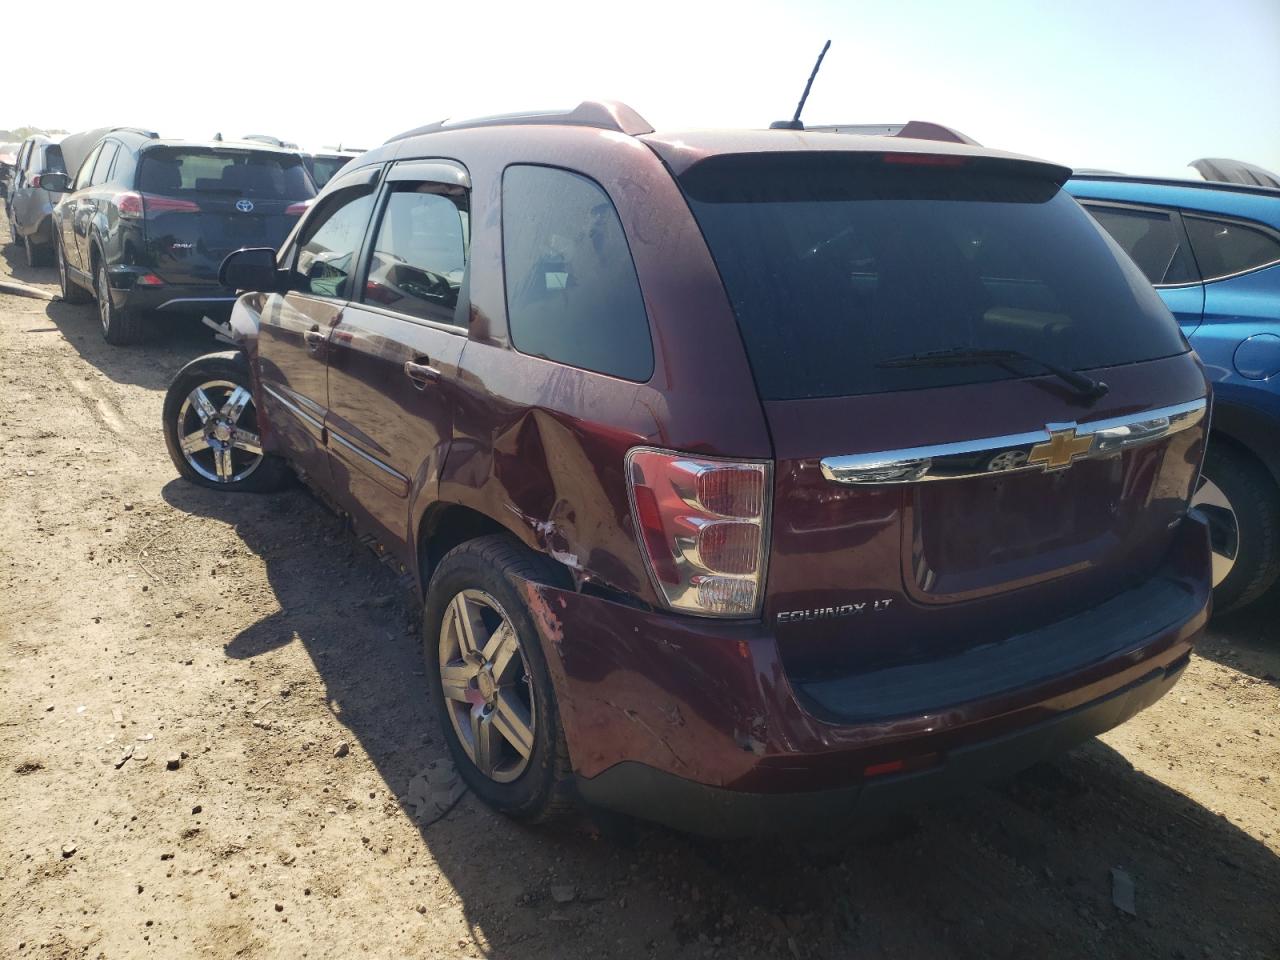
(103,165)
(572,292)
(420,254)
(327,258)
(234,173)
(324,169)
(1225,247)
(834,264)
(86,168)
(53,159)
(1153,239)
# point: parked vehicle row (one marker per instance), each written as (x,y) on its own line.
(747,479)
(28,202)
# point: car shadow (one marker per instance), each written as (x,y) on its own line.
(1009,871)
(15,261)
(170,343)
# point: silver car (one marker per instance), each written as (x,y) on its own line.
(29,205)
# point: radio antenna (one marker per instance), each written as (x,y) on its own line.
(794,123)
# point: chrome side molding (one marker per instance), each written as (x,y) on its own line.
(1055,447)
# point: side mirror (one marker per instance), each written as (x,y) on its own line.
(251,268)
(53,182)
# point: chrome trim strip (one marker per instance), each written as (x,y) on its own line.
(294,408)
(196,300)
(400,478)
(1054,447)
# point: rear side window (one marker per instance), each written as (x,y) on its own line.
(572,292)
(102,167)
(234,173)
(1225,247)
(836,264)
(1153,239)
(420,253)
(326,258)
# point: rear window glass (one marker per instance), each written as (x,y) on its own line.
(53,159)
(572,292)
(1153,239)
(324,169)
(835,264)
(1224,247)
(233,173)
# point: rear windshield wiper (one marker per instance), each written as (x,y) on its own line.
(1087,387)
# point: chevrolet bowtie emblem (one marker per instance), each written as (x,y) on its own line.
(1062,447)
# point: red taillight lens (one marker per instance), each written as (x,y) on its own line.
(149,280)
(155,205)
(35,180)
(924,160)
(297,209)
(704,528)
(130,206)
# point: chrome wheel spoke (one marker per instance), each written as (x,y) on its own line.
(1210,495)
(222,461)
(194,442)
(1222,564)
(247,441)
(501,649)
(484,744)
(203,406)
(512,721)
(465,627)
(235,404)
(455,680)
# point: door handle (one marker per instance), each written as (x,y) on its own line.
(420,373)
(315,339)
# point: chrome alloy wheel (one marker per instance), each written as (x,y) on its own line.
(487,686)
(1224,528)
(104,298)
(217,431)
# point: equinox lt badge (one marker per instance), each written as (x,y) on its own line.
(831,613)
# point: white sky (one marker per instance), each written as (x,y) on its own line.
(1122,84)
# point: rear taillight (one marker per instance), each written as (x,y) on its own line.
(703,526)
(924,160)
(134,206)
(297,209)
(35,180)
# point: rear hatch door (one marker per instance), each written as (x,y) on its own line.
(201,203)
(938,486)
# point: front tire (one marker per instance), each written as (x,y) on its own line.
(489,679)
(211,428)
(70,291)
(120,327)
(1242,504)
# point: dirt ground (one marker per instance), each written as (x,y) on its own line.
(249,636)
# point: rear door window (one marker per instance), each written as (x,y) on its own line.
(86,168)
(233,173)
(1154,239)
(1226,247)
(102,167)
(572,291)
(331,241)
(419,255)
(836,264)
(53,159)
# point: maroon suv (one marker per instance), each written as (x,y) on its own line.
(746,476)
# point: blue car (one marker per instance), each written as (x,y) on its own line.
(1212,250)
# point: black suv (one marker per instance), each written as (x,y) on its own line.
(147,222)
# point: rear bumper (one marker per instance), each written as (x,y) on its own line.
(695,723)
(643,791)
(194,298)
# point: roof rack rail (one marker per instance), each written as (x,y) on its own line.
(602,114)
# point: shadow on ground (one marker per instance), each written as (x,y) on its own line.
(1248,641)
(1017,870)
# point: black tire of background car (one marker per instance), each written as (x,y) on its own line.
(120,327)
(70,291)
(544,792)
(35,253)
(1256,500)
(231,365)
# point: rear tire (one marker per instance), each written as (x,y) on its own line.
(120,327)
(482,574)
(71,291)
(217,442)
(35,254)
(1242,504)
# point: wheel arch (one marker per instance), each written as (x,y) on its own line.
(1250,432)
